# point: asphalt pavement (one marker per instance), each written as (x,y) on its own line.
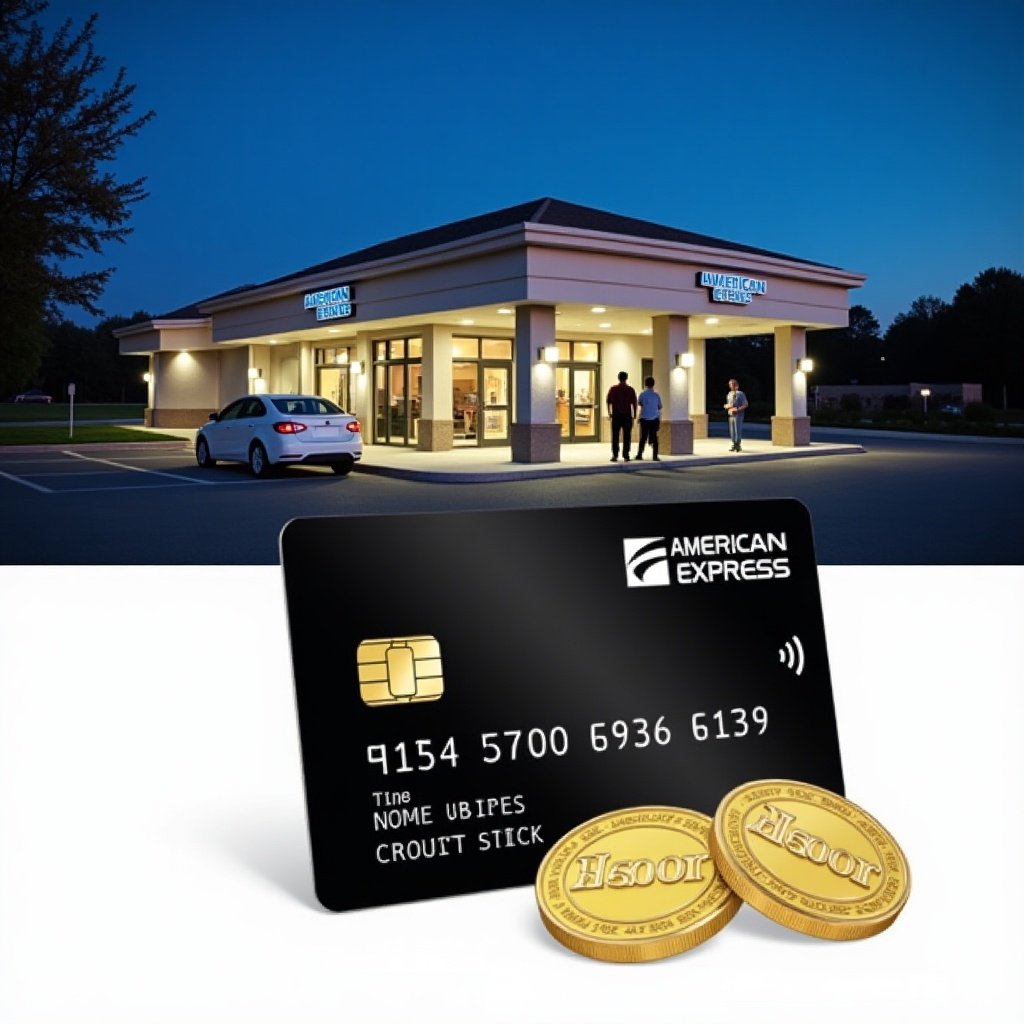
(903,499)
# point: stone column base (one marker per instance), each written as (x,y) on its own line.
(700,425)
(436,435)
(791,431)
(147,418)
(676,437)
(536,442)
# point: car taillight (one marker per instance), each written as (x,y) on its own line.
(289,427)
(353,427)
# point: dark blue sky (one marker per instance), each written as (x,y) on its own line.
(882,137)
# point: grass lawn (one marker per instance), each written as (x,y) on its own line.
(30,412)
(84,434)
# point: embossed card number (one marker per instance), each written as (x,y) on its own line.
(483,681)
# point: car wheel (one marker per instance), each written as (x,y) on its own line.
(258,461)
(343,468)
(203,454)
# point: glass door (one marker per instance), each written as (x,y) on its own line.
(495,393)
(585,412)
(465,403)
(333,384)
(576,406)
(397,390)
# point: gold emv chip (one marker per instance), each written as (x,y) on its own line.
(399,670)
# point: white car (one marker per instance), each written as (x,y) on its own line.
(267,431)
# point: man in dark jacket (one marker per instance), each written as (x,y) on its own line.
(622,410)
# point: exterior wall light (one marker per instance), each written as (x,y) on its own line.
(547,354)
(355,366)
(684,360)
(804,365)
(254,373)
(147,377)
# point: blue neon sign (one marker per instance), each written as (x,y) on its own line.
(331,304)
(732,288)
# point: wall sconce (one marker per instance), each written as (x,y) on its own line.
(804,365)
(147,377)
(355,366)
(254,373)
(684,360)
(547,354)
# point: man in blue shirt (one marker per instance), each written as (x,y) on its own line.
(649,402)
(735,406)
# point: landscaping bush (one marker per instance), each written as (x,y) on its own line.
(979,412)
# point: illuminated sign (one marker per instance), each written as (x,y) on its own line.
(332,304)
(733,288)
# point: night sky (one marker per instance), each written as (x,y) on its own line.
(881,137)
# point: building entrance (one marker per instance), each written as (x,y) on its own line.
(333,383)
(481,403)
(576,408)
(481,391)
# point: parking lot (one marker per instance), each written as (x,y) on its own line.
(133,469)
(905,501)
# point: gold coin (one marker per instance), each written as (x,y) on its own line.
(634,885)
(809,859)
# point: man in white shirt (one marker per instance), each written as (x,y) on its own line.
(735,406)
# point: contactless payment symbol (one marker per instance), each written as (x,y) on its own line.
(399,670)
(646,561)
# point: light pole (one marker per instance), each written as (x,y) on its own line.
(925,392)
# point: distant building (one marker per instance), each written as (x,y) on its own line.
(888,396)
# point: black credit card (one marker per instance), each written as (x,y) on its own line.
(471,685)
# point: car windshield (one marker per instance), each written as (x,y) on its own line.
(302,406)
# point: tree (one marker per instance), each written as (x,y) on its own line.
(848,355)
(988,318)
(919,343)
(747,358)
(90,357)
(59,199)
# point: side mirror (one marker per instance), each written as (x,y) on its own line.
(214,416)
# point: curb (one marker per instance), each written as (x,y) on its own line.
(920,435)
(550,469)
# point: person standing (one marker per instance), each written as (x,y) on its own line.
(735,406)
(622,410)
(649,402)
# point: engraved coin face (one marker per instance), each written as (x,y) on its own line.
(634,885)
(809,859)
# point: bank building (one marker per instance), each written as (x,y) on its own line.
(504,329)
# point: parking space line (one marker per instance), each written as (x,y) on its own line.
(138,488)
(27,483)
(137,469)
(182,481)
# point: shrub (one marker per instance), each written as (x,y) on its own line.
(979,412)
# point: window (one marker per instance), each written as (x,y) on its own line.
(232,411)
(251,408)
(305,406)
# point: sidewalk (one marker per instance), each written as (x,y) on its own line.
(487,465)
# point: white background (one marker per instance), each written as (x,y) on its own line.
(153,858)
